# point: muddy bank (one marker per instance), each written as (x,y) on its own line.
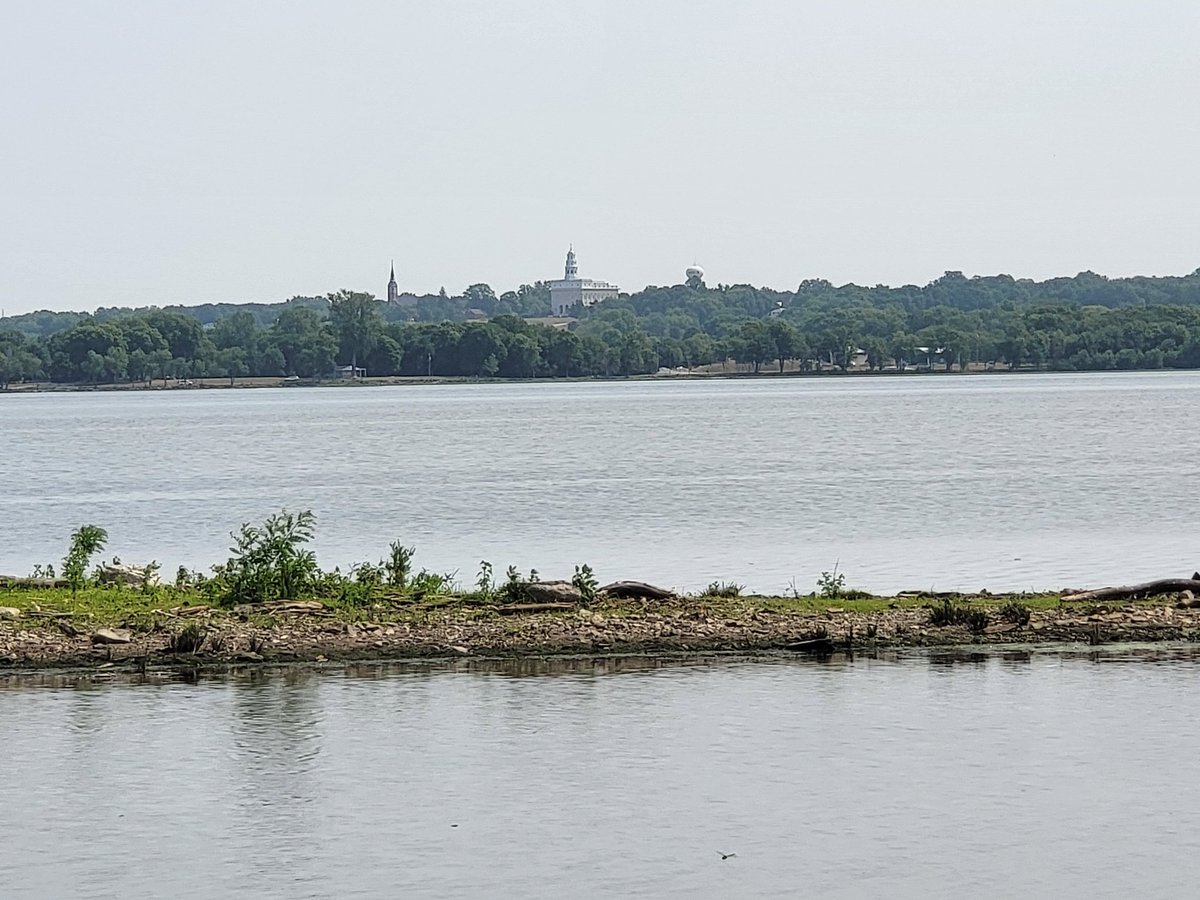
(312,633)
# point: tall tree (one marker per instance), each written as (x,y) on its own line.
(357,323)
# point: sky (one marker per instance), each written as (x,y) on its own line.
(192,152)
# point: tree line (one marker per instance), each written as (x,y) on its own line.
(1083,323)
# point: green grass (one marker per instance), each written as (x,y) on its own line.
(124,606)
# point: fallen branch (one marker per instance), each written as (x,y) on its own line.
(1137,591)
(635,590)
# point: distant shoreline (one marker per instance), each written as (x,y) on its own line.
(391,380)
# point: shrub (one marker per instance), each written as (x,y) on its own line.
(269,562)
(86,541)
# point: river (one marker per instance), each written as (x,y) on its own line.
(1005,482)
(1002,774)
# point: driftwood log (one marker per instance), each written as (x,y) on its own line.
(635,590)
(1138,591)
(20,581)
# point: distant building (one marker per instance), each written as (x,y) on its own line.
(393,291)
(571,290)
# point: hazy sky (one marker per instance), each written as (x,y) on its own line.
(180,152)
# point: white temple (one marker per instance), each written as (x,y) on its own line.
(571,290)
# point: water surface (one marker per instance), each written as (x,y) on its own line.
(913,777)
(1004,482)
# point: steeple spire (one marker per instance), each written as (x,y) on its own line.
(393,291)
(572,268)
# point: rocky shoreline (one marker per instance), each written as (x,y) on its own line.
(195,637)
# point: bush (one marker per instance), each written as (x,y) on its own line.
(86,541)
(269,562)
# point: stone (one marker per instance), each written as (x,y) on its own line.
(132,576)
(458,648)
(111,636)
(9,612)
(552,592)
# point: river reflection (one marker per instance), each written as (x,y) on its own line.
(991,772)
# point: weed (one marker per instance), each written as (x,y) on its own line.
(150,577)
(269,562)
(831,585)
(584,581)
(483,582)
(46,571)
(399,564)
(188,639)
(948,613)
(725,589)
(86,541)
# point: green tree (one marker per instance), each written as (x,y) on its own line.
(357,323)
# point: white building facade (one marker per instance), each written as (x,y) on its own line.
(571,290)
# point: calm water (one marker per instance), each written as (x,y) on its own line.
(1011,776)
(998,482)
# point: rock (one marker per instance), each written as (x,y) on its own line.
(1187,600)
(9,612)
(458,648)
(111,636)
(552,592)
(249,656)
(1000,628)
(132,576)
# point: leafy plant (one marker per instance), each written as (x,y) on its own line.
(269,562)
(831,585)
(426,584)
(483,582)
(584,581)
(515,588)
(40,571)
(398,565)
(150,576)
(86,541)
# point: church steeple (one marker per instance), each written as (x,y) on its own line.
(572,270)
(393,291)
